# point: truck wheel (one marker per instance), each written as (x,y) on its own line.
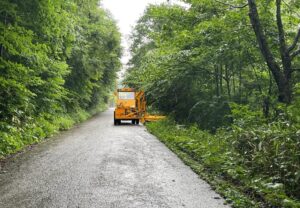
(137,121)
(115,120)
(133,121)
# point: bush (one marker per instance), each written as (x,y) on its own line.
(260,161)
(211,114)
(270,149)
(13,139)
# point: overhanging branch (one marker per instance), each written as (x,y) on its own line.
(296,53)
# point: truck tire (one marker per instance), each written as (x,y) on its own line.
(133,121)
(115,120)
(137,121)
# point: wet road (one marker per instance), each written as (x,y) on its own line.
(97,164)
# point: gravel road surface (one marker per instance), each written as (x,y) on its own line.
(97,164)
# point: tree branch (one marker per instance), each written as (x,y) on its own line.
(285,56)
(266,52)
(282,78)
(294,44)
(233,6)
(262,41)
(280,28)
(296,53)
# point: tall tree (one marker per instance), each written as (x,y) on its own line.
(282,71)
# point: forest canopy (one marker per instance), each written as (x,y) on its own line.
(58,63)
(210,53)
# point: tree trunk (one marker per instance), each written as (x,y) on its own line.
(1,46)
(227,79)
(240,83)
(282,77)
(233,81)
(217,80)
(221,80)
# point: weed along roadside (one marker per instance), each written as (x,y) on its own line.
(215,159)
(18,141)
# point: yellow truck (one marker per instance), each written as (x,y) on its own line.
(131,105)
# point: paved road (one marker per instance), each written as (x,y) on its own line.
(97,164)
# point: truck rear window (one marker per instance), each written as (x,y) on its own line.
(126,95)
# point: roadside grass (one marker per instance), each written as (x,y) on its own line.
(215,159)
(15,138)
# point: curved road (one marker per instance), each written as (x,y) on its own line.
(96,165)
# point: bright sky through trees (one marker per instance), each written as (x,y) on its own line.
(127,12)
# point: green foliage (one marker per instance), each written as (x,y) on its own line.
(58,63)
(208,155)
(196,60)
(270,148)
(202,65)
(13,139)
(251,166)
(216,112)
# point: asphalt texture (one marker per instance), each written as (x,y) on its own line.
(97,164)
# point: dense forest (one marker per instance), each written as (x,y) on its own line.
(228,71)
(58,64)
(226,74)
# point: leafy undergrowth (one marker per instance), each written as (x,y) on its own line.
(15,138)
(254,167)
